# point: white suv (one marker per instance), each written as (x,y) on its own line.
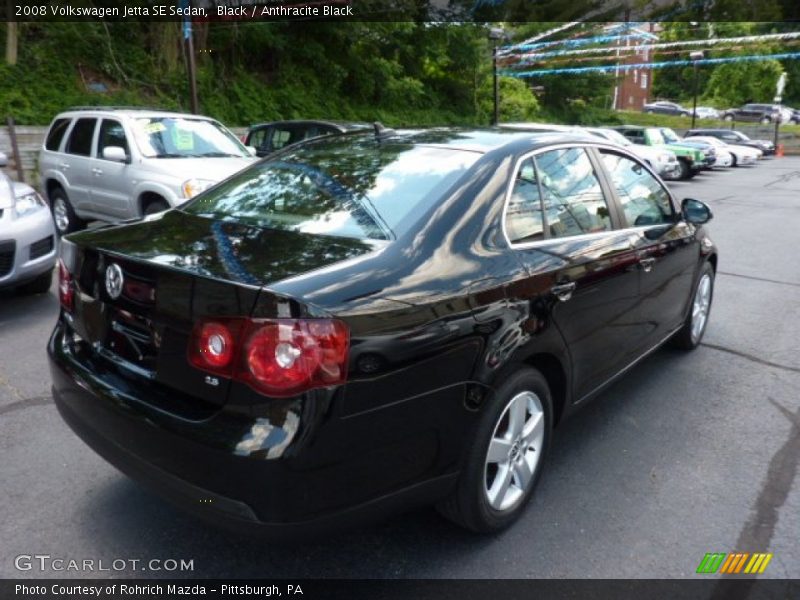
(121,163)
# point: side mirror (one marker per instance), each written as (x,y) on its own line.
(3,160)
(252,150)
(115,153)
(695,211)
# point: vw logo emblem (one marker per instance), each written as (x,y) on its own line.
(114,280)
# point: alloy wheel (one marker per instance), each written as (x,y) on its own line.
(60,214)
(514,451)
(701,306)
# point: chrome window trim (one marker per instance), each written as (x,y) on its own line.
(585,236)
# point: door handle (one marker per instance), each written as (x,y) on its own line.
(64,165)
(97,171)
(563,291)
(647,264)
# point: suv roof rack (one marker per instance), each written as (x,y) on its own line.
(105,107)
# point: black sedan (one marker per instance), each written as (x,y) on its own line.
(267,138)
(664,107)
(370,321)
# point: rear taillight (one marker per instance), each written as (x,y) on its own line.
(276,357)
(66,292)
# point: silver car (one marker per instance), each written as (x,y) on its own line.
(113,163)
(27,237)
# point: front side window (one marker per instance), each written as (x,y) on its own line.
(654,137)
(360,188)
(112,134)
(258,138)
(571,194)
(524,210)
(80,140)
(177,137)
(644,200)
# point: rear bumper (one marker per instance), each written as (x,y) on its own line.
(195,464)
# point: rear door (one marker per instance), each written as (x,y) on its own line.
(665,245)
(75,162)
(562,227)
(111,184)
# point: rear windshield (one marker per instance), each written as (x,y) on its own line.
(349,187)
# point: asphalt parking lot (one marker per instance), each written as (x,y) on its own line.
(687,454)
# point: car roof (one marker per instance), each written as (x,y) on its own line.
(481,140)
(128,111)
(340,125)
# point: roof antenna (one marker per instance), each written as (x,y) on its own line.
(382,131)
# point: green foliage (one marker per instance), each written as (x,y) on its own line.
(734,84)
(517,102)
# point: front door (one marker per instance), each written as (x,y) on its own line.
(565,232)
(666,249)
(111,185)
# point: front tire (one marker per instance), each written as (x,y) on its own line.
(64,217)
(766,121)
(155,206)
(728,118)
(686,171)
(691,334)
(733,160)
(506,455)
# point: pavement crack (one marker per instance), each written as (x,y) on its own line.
(779,282)
(788,177)
(752,358)
(759,529)
(25,403)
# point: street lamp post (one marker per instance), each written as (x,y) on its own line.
(695,56)
(496,34)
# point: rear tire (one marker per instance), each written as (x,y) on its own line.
(728,118)
(64,217)
(766,121)
(691,334)
(505,455)
(40,285)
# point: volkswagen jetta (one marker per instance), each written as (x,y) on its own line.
(365,322)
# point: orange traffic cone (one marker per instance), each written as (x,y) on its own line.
(779,151)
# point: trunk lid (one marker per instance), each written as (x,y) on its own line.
(141,287)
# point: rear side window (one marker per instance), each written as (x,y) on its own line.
(80,140)
(56,134)
(524,211)
(573,200)
(644,200)
(257,138)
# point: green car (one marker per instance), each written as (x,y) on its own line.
(691,158)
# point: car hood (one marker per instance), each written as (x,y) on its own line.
(221,249)
(213,169)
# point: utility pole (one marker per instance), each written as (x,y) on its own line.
(12,35)
(190,64)
(496,34)
(695,56)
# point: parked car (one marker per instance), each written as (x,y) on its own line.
(27,238)
(664,161)
(663,107)
(709,151)
(364,322)
(706,112)
(793,116)
(691,159)
(267,138)
(120,163)
(756,113)
(740,155)
(731,136)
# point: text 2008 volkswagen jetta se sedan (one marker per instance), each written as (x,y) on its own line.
(374,320)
